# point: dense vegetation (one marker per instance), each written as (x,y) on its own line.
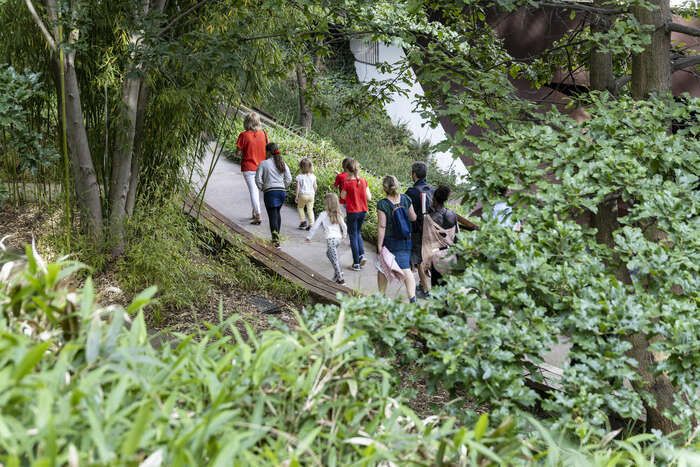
(104,109)
(84,384)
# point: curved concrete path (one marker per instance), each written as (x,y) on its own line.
(227,193)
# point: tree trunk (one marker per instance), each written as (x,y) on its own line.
(305,115)
(651,74)
(87,189)
(138,150)
(121,162)
(651,69)
(606,223)
(601,64)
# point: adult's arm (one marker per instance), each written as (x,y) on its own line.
(381,229)
(412,214)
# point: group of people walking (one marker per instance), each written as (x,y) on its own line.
(402,217)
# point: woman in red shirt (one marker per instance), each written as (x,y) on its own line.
(356,194)
(251,149)
(340,181)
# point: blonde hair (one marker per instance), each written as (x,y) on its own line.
(306,166)
(252,122)
(332,207)
(390,185)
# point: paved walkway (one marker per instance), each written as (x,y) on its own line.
(228,193)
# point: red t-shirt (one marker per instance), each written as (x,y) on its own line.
(339,181)
(355,195)
(252,145)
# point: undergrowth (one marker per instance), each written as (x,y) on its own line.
(169,250)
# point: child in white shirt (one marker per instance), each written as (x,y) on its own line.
(334,226)
(306,191)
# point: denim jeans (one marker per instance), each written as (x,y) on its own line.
(354,221)
(274,200)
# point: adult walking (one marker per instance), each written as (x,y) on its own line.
(356,195)
(251,149)
(441,230)
(421,194)
(394,214)
(273,178)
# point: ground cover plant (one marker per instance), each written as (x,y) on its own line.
(84,384)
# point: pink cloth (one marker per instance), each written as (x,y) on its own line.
(387,265)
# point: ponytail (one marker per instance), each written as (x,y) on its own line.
(273,149)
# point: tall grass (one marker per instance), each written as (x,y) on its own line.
(168,250)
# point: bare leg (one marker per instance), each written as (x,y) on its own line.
(410,283)
(381,282)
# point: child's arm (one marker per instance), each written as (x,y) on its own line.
(343,227)
(314,227)
(315,185)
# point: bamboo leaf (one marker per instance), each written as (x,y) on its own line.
(30,359)
(133,438)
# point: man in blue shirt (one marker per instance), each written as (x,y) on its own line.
(421,195)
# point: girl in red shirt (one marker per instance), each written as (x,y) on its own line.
(251,149)
(356,194)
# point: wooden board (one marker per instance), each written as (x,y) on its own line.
(321,288)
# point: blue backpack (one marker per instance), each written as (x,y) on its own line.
(402,226)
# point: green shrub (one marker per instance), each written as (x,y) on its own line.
(102,394)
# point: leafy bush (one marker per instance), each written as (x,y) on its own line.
(365,134)
(103,394)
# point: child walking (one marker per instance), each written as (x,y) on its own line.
(334,226)
(306,191)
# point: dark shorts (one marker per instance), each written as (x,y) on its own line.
(401,249)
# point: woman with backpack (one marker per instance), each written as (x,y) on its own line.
(273,178)
(394,216)
(356,194)
(250,147)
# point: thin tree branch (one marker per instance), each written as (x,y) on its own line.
(590,9)
(184,13)
(47,35)
(689,30)
(685,62)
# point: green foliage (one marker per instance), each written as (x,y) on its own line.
(519,293)
(106,395)
(166,249)
(23,150)
(365,134)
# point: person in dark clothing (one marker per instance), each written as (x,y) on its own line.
(420,194)
(445,218)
